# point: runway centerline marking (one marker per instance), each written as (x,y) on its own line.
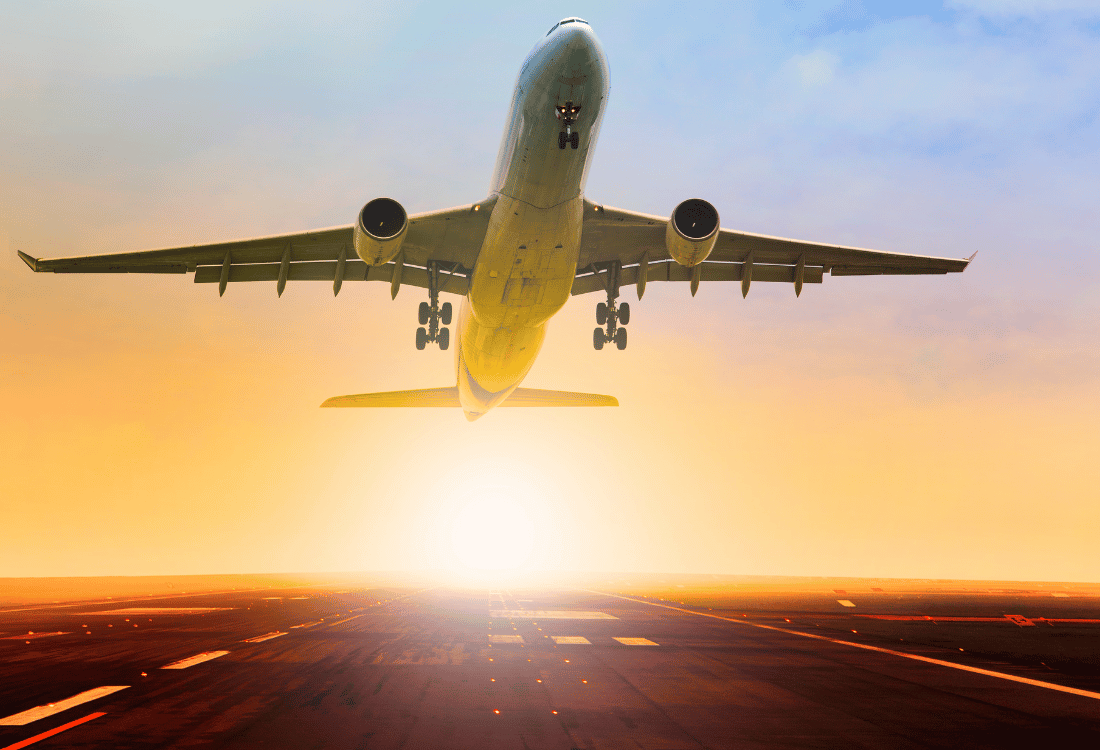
(578,640)
(636,642)
(544,614)
(191,661)
(264,637)
(52,732)
(41,712)
(866,647)
(31,636)
(506,639)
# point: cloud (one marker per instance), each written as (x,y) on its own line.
(1002,8)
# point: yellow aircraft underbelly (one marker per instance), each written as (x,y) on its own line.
(524,275)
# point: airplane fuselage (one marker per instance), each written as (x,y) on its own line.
(525,270)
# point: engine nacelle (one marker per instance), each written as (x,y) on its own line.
(691,232)
(380,230)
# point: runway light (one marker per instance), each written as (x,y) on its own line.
(144,675)
(585,681)
(566,661)
(492,679)
(554,712)
(541,680)
(496,710)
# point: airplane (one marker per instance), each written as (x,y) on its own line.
(517,256)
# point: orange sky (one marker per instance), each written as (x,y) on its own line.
(924,427)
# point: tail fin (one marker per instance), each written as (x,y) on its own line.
(449,397)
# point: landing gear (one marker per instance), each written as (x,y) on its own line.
(567,113)
(610,316)
(431,314)
(573,140)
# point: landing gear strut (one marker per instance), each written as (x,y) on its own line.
(431,314)
(610,315)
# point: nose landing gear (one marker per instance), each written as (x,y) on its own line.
(610,316)
(567,113)
(432,314)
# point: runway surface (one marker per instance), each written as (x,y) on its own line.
(599,663)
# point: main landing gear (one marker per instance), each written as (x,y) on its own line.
(610,316)
(432,314)
(567,113)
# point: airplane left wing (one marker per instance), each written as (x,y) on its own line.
(450,239)
(630,247)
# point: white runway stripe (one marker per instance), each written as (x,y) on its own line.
(41,712)
(636,642)
(579,640)
(262,638)
(196,659)
(915,657)
(506,639)
(551,614)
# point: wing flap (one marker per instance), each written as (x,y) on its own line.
(595,280)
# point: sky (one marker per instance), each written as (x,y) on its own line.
(929,427)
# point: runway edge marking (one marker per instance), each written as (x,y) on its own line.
(866,647)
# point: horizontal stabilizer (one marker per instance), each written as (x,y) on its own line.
(422,397)
(449,397)
(536,397)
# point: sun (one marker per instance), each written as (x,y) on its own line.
(493,533)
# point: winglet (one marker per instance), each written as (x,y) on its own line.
(32,263)
(972,257)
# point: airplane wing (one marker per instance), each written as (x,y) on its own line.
(631,246)
(450,238)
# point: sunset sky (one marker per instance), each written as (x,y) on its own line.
(922,427)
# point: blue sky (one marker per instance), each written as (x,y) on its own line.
(939,128)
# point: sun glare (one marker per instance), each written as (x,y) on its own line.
(493,533)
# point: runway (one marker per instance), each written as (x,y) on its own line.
(594,663)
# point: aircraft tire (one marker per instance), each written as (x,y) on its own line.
(421,338)
(601,313)
(424,313)
(598,339)
(620,339)
(575,140)
(624,313)
(445,313)
(444,338)
(561,140)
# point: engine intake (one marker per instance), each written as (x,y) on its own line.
(380,231)
(691,232)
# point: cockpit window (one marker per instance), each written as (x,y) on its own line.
(565,21)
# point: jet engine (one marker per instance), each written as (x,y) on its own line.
(379,231)
(691,232)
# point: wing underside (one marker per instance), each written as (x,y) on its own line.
(626,247)
(446,242)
